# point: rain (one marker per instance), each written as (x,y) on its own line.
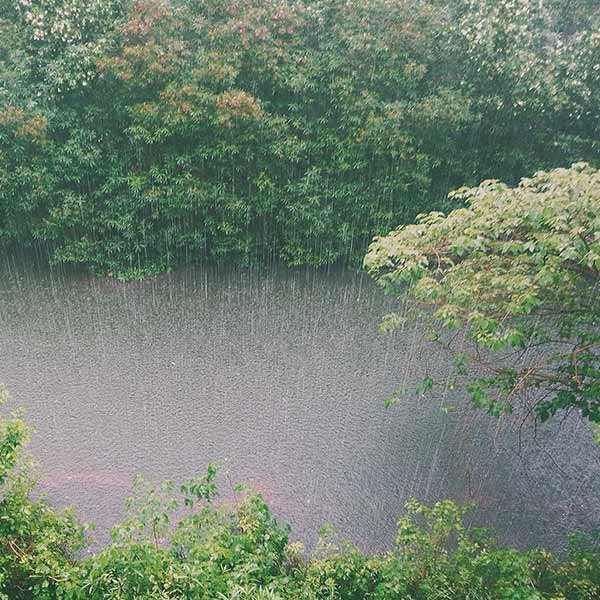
(280,377)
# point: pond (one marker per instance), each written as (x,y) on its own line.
(280,377)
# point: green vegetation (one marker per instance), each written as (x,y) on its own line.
(517,273)
(139,135)
(184,545)
(136,136)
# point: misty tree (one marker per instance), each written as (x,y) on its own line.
(509,283)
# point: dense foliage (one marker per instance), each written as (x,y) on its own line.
(517,273)
(136,135)
(184,545)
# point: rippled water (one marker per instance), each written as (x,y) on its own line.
(280,377)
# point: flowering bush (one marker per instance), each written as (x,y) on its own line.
(66,37)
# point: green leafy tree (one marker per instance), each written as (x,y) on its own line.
(532,77)
(438,556)
(178,131)
(516,272)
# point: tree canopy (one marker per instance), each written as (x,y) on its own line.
(517,271)
(139,135)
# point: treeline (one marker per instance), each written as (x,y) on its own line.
(187,544)
(135,136)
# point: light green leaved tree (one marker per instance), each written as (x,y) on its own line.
(515,272)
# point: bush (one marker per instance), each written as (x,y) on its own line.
(181,544)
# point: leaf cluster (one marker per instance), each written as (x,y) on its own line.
(518,271)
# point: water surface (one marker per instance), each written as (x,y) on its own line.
(279,376)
